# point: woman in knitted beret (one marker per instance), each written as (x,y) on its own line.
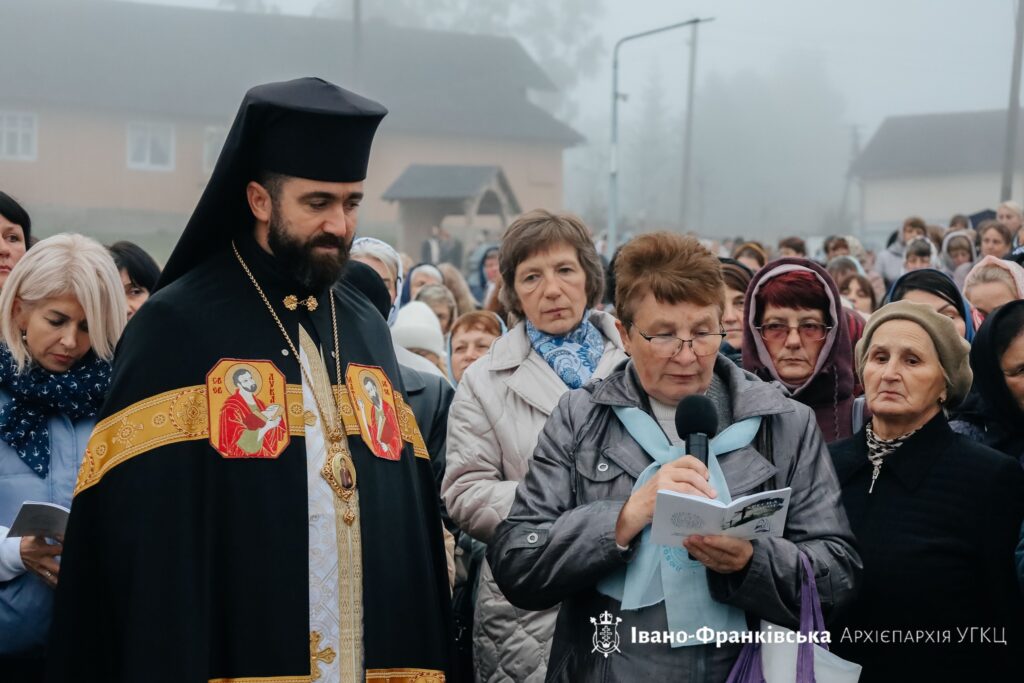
(937,516)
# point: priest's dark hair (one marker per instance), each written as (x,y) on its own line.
(140,267)
(272,183)
(16,213)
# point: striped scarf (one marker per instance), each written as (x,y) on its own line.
(879,449)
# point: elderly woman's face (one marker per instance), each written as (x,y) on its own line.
(794,338)
(903,379)
(940,306)
(421,279)
(56,331)
(381,269)
(1012,365)
(12,247)
(552,289)
(685,373)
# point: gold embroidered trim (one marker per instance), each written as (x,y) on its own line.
(405,675)
(181,415)
(268,679)
(410,430)
(166,418)
(349,538)
(376,675)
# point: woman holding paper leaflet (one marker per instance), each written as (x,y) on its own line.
(62,311)
(578,529)
(936,515)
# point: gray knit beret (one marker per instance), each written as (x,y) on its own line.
(952,348)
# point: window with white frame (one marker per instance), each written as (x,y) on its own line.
(18,136)
(213,142)
(151,146)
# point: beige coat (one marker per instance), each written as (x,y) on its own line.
(497,415)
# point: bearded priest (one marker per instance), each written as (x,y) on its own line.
(237,516)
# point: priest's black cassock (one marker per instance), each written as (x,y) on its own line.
(187,558)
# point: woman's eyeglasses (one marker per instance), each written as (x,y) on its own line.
(667,346)
(777,332)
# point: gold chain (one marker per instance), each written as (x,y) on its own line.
(284,333)
(339,463)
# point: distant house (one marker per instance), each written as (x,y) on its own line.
(934,166)
(112,114)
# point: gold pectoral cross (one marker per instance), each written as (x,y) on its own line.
(316,655)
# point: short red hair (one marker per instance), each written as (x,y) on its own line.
(795,289)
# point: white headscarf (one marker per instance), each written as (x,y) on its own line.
(386,254)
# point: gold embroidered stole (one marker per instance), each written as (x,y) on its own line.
(347,536)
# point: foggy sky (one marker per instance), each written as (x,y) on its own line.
(881,58)
(887,58)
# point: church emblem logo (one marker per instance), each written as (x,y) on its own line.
(373,400)
(246,404)
(606,634)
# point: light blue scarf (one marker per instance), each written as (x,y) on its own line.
(574,356)
(664,573)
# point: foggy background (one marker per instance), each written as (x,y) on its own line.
(787,93)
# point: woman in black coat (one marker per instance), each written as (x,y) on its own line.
(994,410)
(936,516)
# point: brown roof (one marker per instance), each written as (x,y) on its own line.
(124,56)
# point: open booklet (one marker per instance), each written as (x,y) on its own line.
(678,515)
(40,519)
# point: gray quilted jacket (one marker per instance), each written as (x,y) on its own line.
(498,412)
(559,539)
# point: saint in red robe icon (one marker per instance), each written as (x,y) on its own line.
(378,420)
(248,427)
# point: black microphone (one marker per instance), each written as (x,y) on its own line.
(696,423)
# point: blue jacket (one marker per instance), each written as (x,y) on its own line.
(26,602)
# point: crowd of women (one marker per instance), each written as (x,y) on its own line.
(886,393)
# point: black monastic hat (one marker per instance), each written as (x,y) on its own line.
(305,128)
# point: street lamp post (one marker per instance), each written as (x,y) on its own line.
(613,173)
(1013,112)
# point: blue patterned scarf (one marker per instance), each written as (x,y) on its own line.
(574,356)
(37,394)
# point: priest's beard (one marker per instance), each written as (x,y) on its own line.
(314,271)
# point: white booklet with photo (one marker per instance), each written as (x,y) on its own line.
(678,515)
(40,519)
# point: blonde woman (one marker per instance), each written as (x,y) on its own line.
(62,311)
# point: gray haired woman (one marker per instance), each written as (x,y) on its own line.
(552,279)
